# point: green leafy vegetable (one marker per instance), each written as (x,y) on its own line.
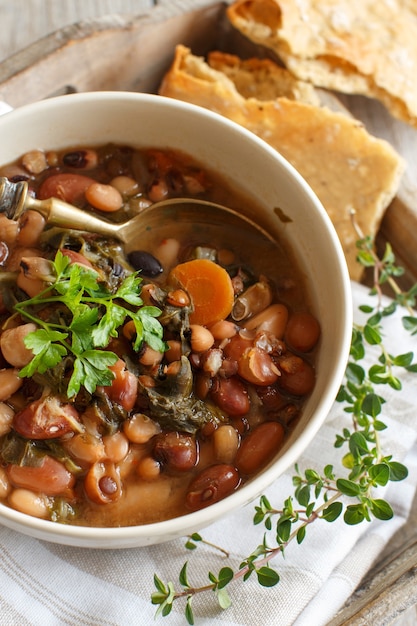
(95,315)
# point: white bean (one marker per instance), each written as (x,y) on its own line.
(4,483)
(140,428)
(29,502)
(6,418)
(167,253)
(10,382)
(13,347)
(226,442)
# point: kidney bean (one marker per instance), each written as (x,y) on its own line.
(10,382)
(302,332)
(297,376)
(236,346)
(124,387)
(273,319)
(256,366)
(102,483)
(13,347)
(46,418)
(259,447)
(50,477)
(231,396)
(68,187)
(270,397)
(176,451)
(211,485)
(76,257)
(28,502)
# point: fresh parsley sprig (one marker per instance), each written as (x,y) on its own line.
(86,317)
(324,495)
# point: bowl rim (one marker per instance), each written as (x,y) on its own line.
(55,531)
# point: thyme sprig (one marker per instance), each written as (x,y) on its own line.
(324,495)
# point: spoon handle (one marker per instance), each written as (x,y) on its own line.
(60,213)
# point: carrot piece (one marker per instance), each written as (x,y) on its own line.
(209,287)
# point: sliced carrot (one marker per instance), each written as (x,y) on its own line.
(209,287)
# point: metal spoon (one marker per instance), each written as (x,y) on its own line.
(15,200)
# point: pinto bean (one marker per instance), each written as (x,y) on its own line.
(226,443)
(116,447)
(29,502)
(126,185)
(236,347)
(302,332)
(86,448)
(150,357)
(256,366)
(10,382)
(231,396)
(223,329)
(31,225)
(46,418)
(273,319)
(297,376)
(176,451)
(104,197)
(6,418)
(148,468)
(201,338)
(259,447)
(140,428)
(102,483)
(8,229)
(50,477)
(13,347)
(211,485)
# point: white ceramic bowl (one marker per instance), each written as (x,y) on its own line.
(260,172)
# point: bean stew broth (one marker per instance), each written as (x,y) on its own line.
(175,430)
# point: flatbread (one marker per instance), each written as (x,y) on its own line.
(346,167)
(366,47)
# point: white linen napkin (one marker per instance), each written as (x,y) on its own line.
(44,584)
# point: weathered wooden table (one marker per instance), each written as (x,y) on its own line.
(41,44)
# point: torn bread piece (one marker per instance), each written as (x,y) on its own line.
(345,166)
(353,46)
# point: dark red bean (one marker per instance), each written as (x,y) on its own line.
(211,485)
(176,451)
(297,376)
(46,419)
(259,447)
(231,396)
(302,332)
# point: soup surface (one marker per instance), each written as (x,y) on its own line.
(140,385)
